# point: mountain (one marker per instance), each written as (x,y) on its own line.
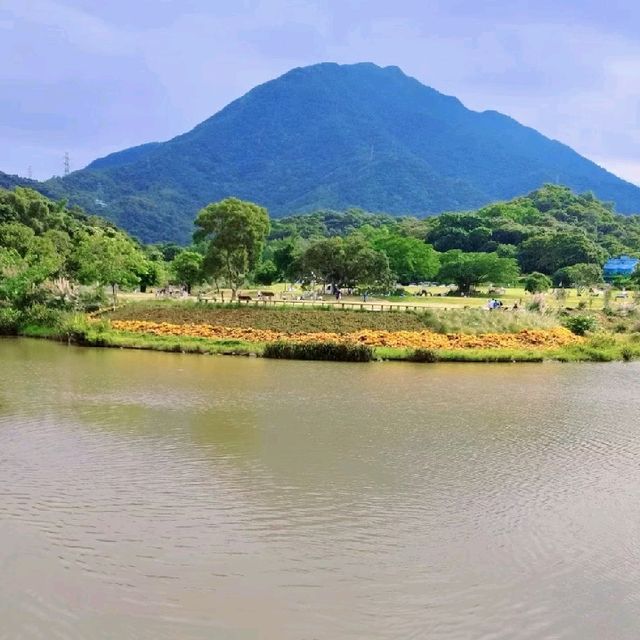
(333,136)
(8,181)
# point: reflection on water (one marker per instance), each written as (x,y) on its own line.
(147,495)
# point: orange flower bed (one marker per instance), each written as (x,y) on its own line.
(525,339)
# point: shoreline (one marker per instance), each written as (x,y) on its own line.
(600,348)
(349,336)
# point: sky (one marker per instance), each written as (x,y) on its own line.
(89,77)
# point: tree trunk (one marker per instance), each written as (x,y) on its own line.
(114,294)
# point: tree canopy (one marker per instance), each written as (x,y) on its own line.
(468,270)
(234,232)
(345,262)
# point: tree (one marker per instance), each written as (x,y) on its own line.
(235,231)
(266,273)
(549,252)
(346,262)
(112,260)
(410,259)
(187,268)
(22,276)
(579,276)
(537,282)
(286,258)
(467,270)
(465,231)
(169,250)
(16,236)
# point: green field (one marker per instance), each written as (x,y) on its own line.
(331,319)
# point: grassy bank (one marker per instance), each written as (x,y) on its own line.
(330,334)
(597,348)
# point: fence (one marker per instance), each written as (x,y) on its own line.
(359,306)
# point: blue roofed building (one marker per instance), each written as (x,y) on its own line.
(620,266)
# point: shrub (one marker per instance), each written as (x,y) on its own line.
(74,328)
(537,282)
(9,321)
(92,299)
(41,315)
(319,351)
(601,341)
(581,324)
(77,329)
(424,355)
(627,354)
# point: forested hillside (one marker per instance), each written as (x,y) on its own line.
(545,231)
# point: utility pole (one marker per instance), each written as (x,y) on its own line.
(66,163)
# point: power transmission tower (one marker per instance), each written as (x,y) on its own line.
(66,163)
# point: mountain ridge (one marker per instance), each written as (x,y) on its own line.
(333,136)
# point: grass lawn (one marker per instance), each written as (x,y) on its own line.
(438,300)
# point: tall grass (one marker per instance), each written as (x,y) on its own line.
(319,351)
(475,321)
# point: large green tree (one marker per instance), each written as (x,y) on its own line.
(286,258)
(234,232)
(410,259)
(468,270)
(187,268)
(346,262)
(110,259)
(549,252)
(579,276)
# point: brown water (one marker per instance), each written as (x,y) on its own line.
(155,496)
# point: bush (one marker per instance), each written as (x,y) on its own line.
(601,341)
(581,324)
(319,351)
(92,299)
(9,321)
(266,273)
(77,329)
(424,355)
(41,316)
(537,282)
(74,328)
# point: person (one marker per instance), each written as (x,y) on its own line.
(364,296)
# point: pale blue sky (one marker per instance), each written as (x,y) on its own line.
(93,76)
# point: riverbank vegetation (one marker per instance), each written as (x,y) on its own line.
(542,254)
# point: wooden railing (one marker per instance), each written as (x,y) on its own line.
(338,304)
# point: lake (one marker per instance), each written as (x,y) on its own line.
(150,496)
